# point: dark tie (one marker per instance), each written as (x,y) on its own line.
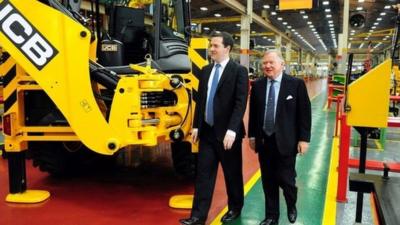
(210,103)
(269,120)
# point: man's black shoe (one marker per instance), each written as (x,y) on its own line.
(230,216)
(192,221)
(292,214)
(269,222)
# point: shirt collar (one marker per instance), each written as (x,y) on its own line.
(223,63)
(278,79)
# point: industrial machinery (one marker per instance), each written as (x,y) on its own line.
(65,107)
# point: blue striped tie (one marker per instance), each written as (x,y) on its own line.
(269,120)
(210,102)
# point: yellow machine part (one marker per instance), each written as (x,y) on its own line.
(29,196)
(181,201)
(368,97)
(65,79)
(198,55)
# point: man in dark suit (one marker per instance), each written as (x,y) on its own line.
(218,124)
(279,128)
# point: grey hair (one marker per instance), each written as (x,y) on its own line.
(277,52)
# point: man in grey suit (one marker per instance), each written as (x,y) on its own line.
(279,128)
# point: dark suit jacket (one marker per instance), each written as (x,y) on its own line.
(293,114)
(229,102)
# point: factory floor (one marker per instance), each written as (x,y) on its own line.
(139,194)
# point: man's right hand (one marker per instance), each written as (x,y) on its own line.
(194,135)
(252,143)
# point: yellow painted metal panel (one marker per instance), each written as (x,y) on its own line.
(368,97)
(295,4)
(29,196)
(65,78)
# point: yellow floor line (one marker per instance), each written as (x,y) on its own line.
(378,145)
(247,188)
(313,97)
(325,107)
(329,217)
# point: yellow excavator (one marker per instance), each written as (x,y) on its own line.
(67,97)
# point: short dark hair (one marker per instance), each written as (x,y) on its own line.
(227,39)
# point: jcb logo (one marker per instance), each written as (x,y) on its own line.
(109,48)
(24,36)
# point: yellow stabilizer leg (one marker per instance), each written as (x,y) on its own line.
(29,196)
(181,201)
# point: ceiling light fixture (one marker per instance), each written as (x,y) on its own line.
(217,15)
(203,8)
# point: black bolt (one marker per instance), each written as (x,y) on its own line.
(83,34)
(121,90)
(111,146)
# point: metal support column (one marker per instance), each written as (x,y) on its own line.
(288,56)
(278,42)
(245,41)
(245,35)
(342,50)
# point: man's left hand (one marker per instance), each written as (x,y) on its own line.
(228,140)
(302,147)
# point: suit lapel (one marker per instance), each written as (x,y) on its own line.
(263,92)
(207,73)
(225,74)
(282,93)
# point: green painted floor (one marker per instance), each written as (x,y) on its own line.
(312,174)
